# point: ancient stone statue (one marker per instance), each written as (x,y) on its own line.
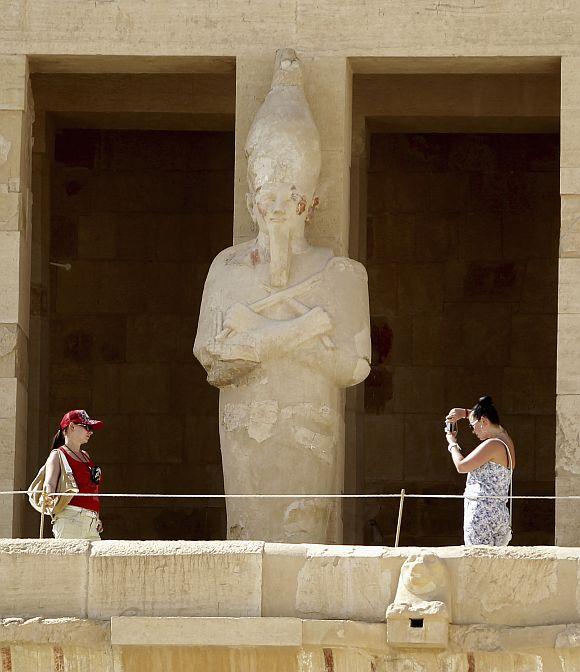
(421,612)
(283,328)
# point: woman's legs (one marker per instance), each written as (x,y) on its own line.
(485,524)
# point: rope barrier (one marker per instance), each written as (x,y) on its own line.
(396,495)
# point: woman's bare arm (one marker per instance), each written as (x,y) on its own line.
(52,472)
(456,414)
(479,456)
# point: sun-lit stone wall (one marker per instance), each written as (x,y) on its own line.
(308,581)
(54,36)
(250,605)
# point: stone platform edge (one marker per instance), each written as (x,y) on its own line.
(270,632)
(514,587)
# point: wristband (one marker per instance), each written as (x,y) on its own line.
(451,446)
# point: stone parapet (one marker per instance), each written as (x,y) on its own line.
(265,631)
(123,606)
(515,587)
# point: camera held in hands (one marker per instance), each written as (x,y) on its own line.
(450,427)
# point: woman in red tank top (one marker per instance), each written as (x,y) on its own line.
(80,518)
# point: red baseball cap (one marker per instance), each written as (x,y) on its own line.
(80,418)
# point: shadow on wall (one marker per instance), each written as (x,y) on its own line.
(462,238)
(140,215)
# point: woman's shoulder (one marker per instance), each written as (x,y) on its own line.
(500,446)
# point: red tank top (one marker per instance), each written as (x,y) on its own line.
(82,474)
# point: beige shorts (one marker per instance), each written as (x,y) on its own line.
(74,522)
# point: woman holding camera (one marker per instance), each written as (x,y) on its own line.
(489,468)
(79,519)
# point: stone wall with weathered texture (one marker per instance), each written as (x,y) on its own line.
(568,380)
(16,117)
(139,215)
(462,255)
(252,606)
(130,36)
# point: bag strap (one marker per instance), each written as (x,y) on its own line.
(65,464)
(510,462)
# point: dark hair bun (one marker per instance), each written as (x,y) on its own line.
(486,408)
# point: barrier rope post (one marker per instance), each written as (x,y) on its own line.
(400,518)
(42,507)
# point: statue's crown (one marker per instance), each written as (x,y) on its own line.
(283,144)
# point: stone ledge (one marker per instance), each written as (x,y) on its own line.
(260,631)
(272,632)
(175,578)
(506,638)
(214,631)
(72,631)
(514,586)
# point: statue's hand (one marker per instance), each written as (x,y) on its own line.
(241,318)
(235,346)
(281,336)
(319,321)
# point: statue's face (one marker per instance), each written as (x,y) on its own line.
(280,206)
(422,573)
(280,210)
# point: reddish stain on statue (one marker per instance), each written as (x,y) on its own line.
(255,257)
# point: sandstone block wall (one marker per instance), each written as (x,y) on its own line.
(497,586)
(253,607)
(411,37)
(462,254)
(16,115)
(568,383)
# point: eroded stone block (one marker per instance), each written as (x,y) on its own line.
(11,148)
(521,586)
(568,373)
(10,211)
(43,577)
(10,244)
(568,434)
(570,227)
(213,631)
(570,137)
(568,516)
(346,582)
(569,287)
(13,82)
(176,578)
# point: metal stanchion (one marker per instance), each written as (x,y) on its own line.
(42,507)
(400,518)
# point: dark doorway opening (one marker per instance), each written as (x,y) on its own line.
(462,254)
(139,215)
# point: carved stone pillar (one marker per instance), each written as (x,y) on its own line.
(282,364)
(568,374)
(38,435)
(16,116)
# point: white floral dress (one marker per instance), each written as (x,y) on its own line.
(488,521)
